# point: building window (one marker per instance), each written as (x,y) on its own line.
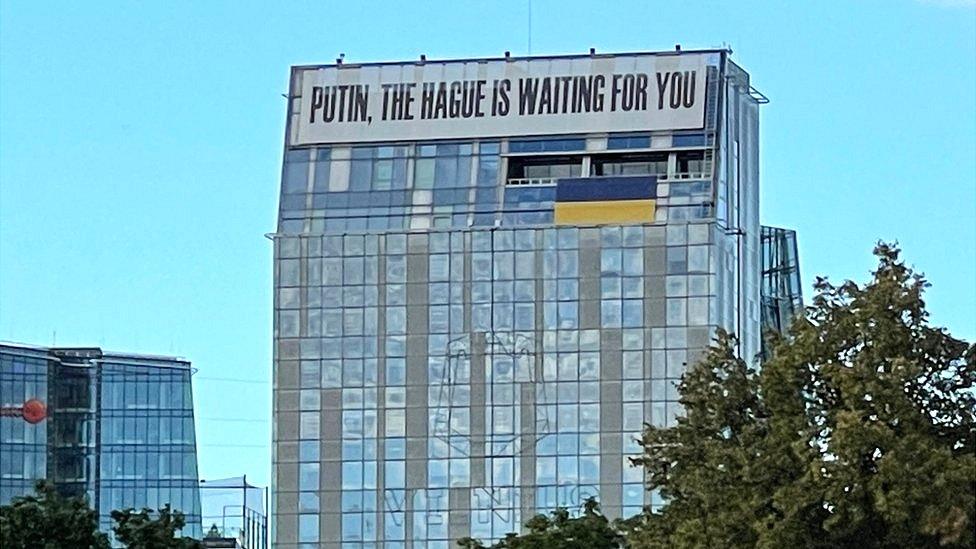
(378,168)
(308,528)
(546,145)
(542,170)
(628,142)
(630,164)
(692,164)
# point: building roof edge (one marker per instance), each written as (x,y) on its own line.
(427,61)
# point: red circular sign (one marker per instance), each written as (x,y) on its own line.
(34,411)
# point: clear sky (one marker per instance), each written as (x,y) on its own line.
(140,152)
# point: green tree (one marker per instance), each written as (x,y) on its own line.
(860,431)
(890,409)
(148,529)
(590,530)
(701,464)
(49,521)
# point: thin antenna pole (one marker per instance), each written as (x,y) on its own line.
(530,27)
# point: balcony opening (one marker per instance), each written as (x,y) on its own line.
(692,165)
(542,170)
(630,164)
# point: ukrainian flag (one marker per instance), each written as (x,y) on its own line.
(605,200)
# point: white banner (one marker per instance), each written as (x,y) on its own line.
(465,99)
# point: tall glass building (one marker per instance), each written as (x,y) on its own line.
(114,428)
(489,274)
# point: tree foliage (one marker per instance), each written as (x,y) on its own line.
(49,521)
(701,464)
(148,529)
(590,530)
(859,431)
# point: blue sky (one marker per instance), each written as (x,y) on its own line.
(140,152)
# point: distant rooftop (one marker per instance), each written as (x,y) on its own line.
(89,353)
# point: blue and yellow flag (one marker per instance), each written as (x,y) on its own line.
(605,200)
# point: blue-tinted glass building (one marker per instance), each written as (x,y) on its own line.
(114,428)
(490,274)
(782,294)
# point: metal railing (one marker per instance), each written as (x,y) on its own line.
(661,177)
(531,181)
(681,176)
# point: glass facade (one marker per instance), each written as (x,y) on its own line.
(782,295)
(23,445)
(118,429)
(450,360)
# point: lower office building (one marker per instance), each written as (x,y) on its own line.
(234,513)
(490,274)
(116,429)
